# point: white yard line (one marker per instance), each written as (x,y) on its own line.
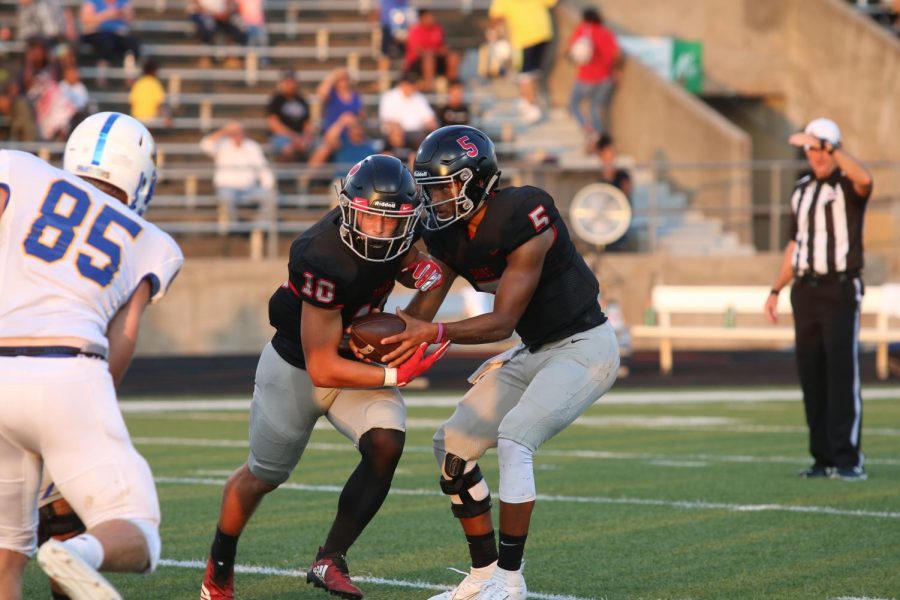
(297,573)
(599,454)
(613,398)
(685,504)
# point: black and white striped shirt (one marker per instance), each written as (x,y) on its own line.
(827,225)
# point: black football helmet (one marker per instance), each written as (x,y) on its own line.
(456,168)
(380,208)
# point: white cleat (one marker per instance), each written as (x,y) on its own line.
(505,585)
(73,575)
(470,587)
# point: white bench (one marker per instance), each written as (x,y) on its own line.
(727,303)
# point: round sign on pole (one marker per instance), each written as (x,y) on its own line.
(600,213)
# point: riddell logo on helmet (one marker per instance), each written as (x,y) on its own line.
(420,174)
(383,204)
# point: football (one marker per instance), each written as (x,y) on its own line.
(368,331)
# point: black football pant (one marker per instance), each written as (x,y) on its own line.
(826,324)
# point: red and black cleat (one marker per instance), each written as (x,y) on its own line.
(330,573)
(218,582)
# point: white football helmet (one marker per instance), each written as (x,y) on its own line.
(118,149)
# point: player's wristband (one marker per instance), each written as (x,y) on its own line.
(390,378)
(774,292)
(441,334)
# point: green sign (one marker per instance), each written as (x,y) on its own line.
(687,64)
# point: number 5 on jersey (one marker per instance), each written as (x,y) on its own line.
(66,226)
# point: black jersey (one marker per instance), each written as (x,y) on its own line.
(565,300)
(324,272)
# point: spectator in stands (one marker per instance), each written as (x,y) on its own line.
(396,144)
(45,19)
(287,117)
(393,16)
(242,174)
(405,108)
(609,173)
(148,96)
(74,90)
(612,174)
(253,15)
(530,29)
(594,48)
(456,111)
(212,16)
(22,124)
(38,81)
(427,54)
(344,143)
(106,26)
(337,97)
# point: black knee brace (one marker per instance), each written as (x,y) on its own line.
(58,520)
(459,484)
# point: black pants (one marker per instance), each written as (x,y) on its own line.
(112,47)
(826,324)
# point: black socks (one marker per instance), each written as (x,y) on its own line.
(512,547)
(483,549)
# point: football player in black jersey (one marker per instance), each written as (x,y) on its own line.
(510,242)
(343,267)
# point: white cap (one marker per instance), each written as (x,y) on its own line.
(824,129)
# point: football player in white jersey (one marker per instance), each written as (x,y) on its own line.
(78,265)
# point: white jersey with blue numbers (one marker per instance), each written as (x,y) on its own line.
(71,255)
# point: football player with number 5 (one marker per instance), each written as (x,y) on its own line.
(341,268)
(79,266)
(510,242)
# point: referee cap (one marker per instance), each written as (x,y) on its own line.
(824,129)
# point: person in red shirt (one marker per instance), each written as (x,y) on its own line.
(427,53)
(594,48)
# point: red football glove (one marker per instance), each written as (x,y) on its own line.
(426,274)
(418,363)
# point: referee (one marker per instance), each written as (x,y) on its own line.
(824,259)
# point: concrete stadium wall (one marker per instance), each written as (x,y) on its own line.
(220,306)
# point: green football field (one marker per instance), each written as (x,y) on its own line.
(664,494)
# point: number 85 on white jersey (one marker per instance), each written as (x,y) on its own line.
(71,255)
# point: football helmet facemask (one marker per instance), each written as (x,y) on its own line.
(380,208)
(456,168)
(117,149)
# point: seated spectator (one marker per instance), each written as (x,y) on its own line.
(253,15)
(242,174)
(148,96)
(344,143)
(405,108)
(396,144)
(456,111)
(106,26)
(618,177)
(212,16)
(337,96)
(22,124)
(45,19)
(427,54)
(287,117)
(38,82)
(393,15)
(74,90)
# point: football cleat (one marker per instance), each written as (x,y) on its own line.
(77,579)
(815,471)
(330,573)
(505,585)
(849,474)
(470,587)
(218,582)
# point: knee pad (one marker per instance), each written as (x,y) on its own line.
(58,520)
(516,472)
(154,543)
(464,483)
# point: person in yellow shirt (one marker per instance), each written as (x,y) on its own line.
(148,97)
(529,27)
